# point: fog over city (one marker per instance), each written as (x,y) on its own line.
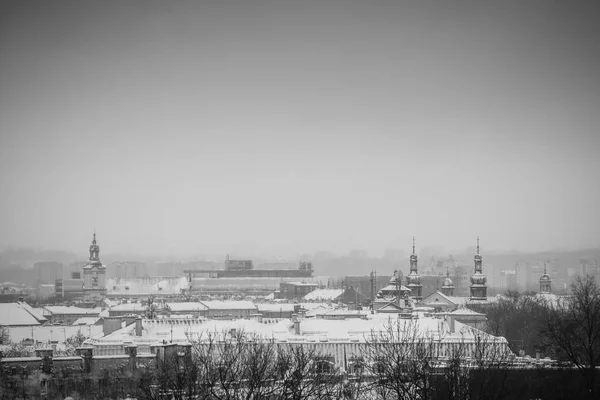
(281,128)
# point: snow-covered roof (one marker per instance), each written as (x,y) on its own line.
(229,305)
(311,330)
(128,307)
(324,294)
(187,306)
(86,321)
(54,310)
(463,311)
(19,314)
(283,307)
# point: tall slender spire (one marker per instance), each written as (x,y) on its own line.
(413,279)
(545,268)
(478,280)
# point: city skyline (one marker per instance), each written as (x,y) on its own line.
(287,128)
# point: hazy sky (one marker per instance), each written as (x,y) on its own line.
(286,127)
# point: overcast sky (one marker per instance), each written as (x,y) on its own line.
(283,127)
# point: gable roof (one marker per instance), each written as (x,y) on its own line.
(229,305)
(19,314)
(438,298)
(51,310)
(187,306)
(324,294)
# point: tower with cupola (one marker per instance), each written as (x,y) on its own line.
(448,286)
(94,274)
(413,279)
(545,282)
(478,280)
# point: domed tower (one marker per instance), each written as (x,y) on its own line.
(545,282)
(448,286)
(94,274)
(413,279)
(478,280)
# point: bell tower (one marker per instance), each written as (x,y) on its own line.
(478,280)
(94,274)
(413,279)
(545,282)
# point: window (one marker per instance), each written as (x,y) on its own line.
(324,365)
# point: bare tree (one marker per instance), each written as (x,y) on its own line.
(400,359)
(572,327)
(304,373)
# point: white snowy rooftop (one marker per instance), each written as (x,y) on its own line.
(128,307)
(53,310)
(324,294)
(229,305)
(187,306)
(19,314)
(351,330)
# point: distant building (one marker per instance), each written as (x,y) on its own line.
(20,314)
(67,315)
(478,281)
(47,272)
(94,274)
(71,289)
(346,296)
(545,283)
(129,269)
(413,279)
(367,285)
(588,266)
(295,290)
(230,309)
(238,265)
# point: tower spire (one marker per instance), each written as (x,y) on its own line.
(477,244)
(413,279)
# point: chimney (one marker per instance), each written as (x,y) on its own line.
(451,326)
(86,353)
(46,356)
(138,327)
(131,351)
(296,324)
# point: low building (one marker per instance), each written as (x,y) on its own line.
(20,314)
(187,308)
(67,315)
(347,296)
(127,309)
(340,339)
(229,309)
(283,310)
(295,290)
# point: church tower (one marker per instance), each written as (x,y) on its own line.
(94,274)
(478,280)
(413,279)
(448,286)
(545,282)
